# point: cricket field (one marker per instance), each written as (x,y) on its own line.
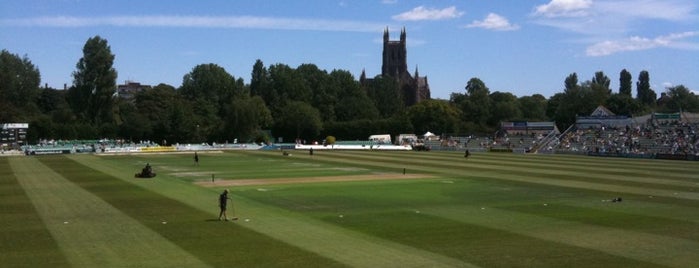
(348,209)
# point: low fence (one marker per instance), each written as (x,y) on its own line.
(384,147)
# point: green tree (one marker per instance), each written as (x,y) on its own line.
(184,125)
(157,104)
(55,113)
(625,83)
(644,93)
(622,104)
(353,102)
(533,108)
(50,100)
(259,82)
(352,108)
(211,90)
(600,88)
(94,84)
(287,85)
(476,107)
(247,117)
(504,107)
(323,89)
(135,126)
(299,120)
(571,82)
(209,126)
(19,87)
(212,84)
(575,100)
(679,98)
(386,95)
(552,105)
(434,115)
(261,85)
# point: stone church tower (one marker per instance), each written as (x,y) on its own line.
(395,56)
(395,64)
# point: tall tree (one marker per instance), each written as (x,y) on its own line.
(434,115)
(625,83)
(600,88)
(259,81)
(134,125)
(504,107)
(680,98)
(575,100)
(353,102)
(288,85)
(622,104)
(299,120)
(387,97)
(184,125)
(157,104)
(571,82)
(324,92)
(210,90)
(210,83)
(246,118)
(94,83)
(644,93)
(19,86)
(552,105)
(476,107)
(533,108)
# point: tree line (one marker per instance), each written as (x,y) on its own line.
(305,102)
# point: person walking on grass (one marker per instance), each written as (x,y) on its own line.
(222,202)
(196,159)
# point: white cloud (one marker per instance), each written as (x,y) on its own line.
(422,13)
(493,22)
(640,43)
(564,8)
(250,22)
(611,16)
(671,10)
(605,26)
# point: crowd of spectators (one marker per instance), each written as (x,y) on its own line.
(665,137)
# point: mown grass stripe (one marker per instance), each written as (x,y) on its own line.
(662,250)
(683,229)
(677,170)
(480,244)
(24,240)
(494,171)
(89,231)
(652,207)
(393,215)
(570,172)
(239,168)
(216,243)
(348,247)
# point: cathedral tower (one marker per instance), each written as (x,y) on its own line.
(395,65)
(395,56)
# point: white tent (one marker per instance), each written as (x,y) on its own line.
(430,136)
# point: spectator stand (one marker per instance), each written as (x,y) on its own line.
(523,136)
(656,135)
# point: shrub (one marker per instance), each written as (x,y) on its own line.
(330,140)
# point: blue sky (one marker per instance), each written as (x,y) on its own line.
(523,47)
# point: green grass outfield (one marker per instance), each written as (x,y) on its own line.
(490,210)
